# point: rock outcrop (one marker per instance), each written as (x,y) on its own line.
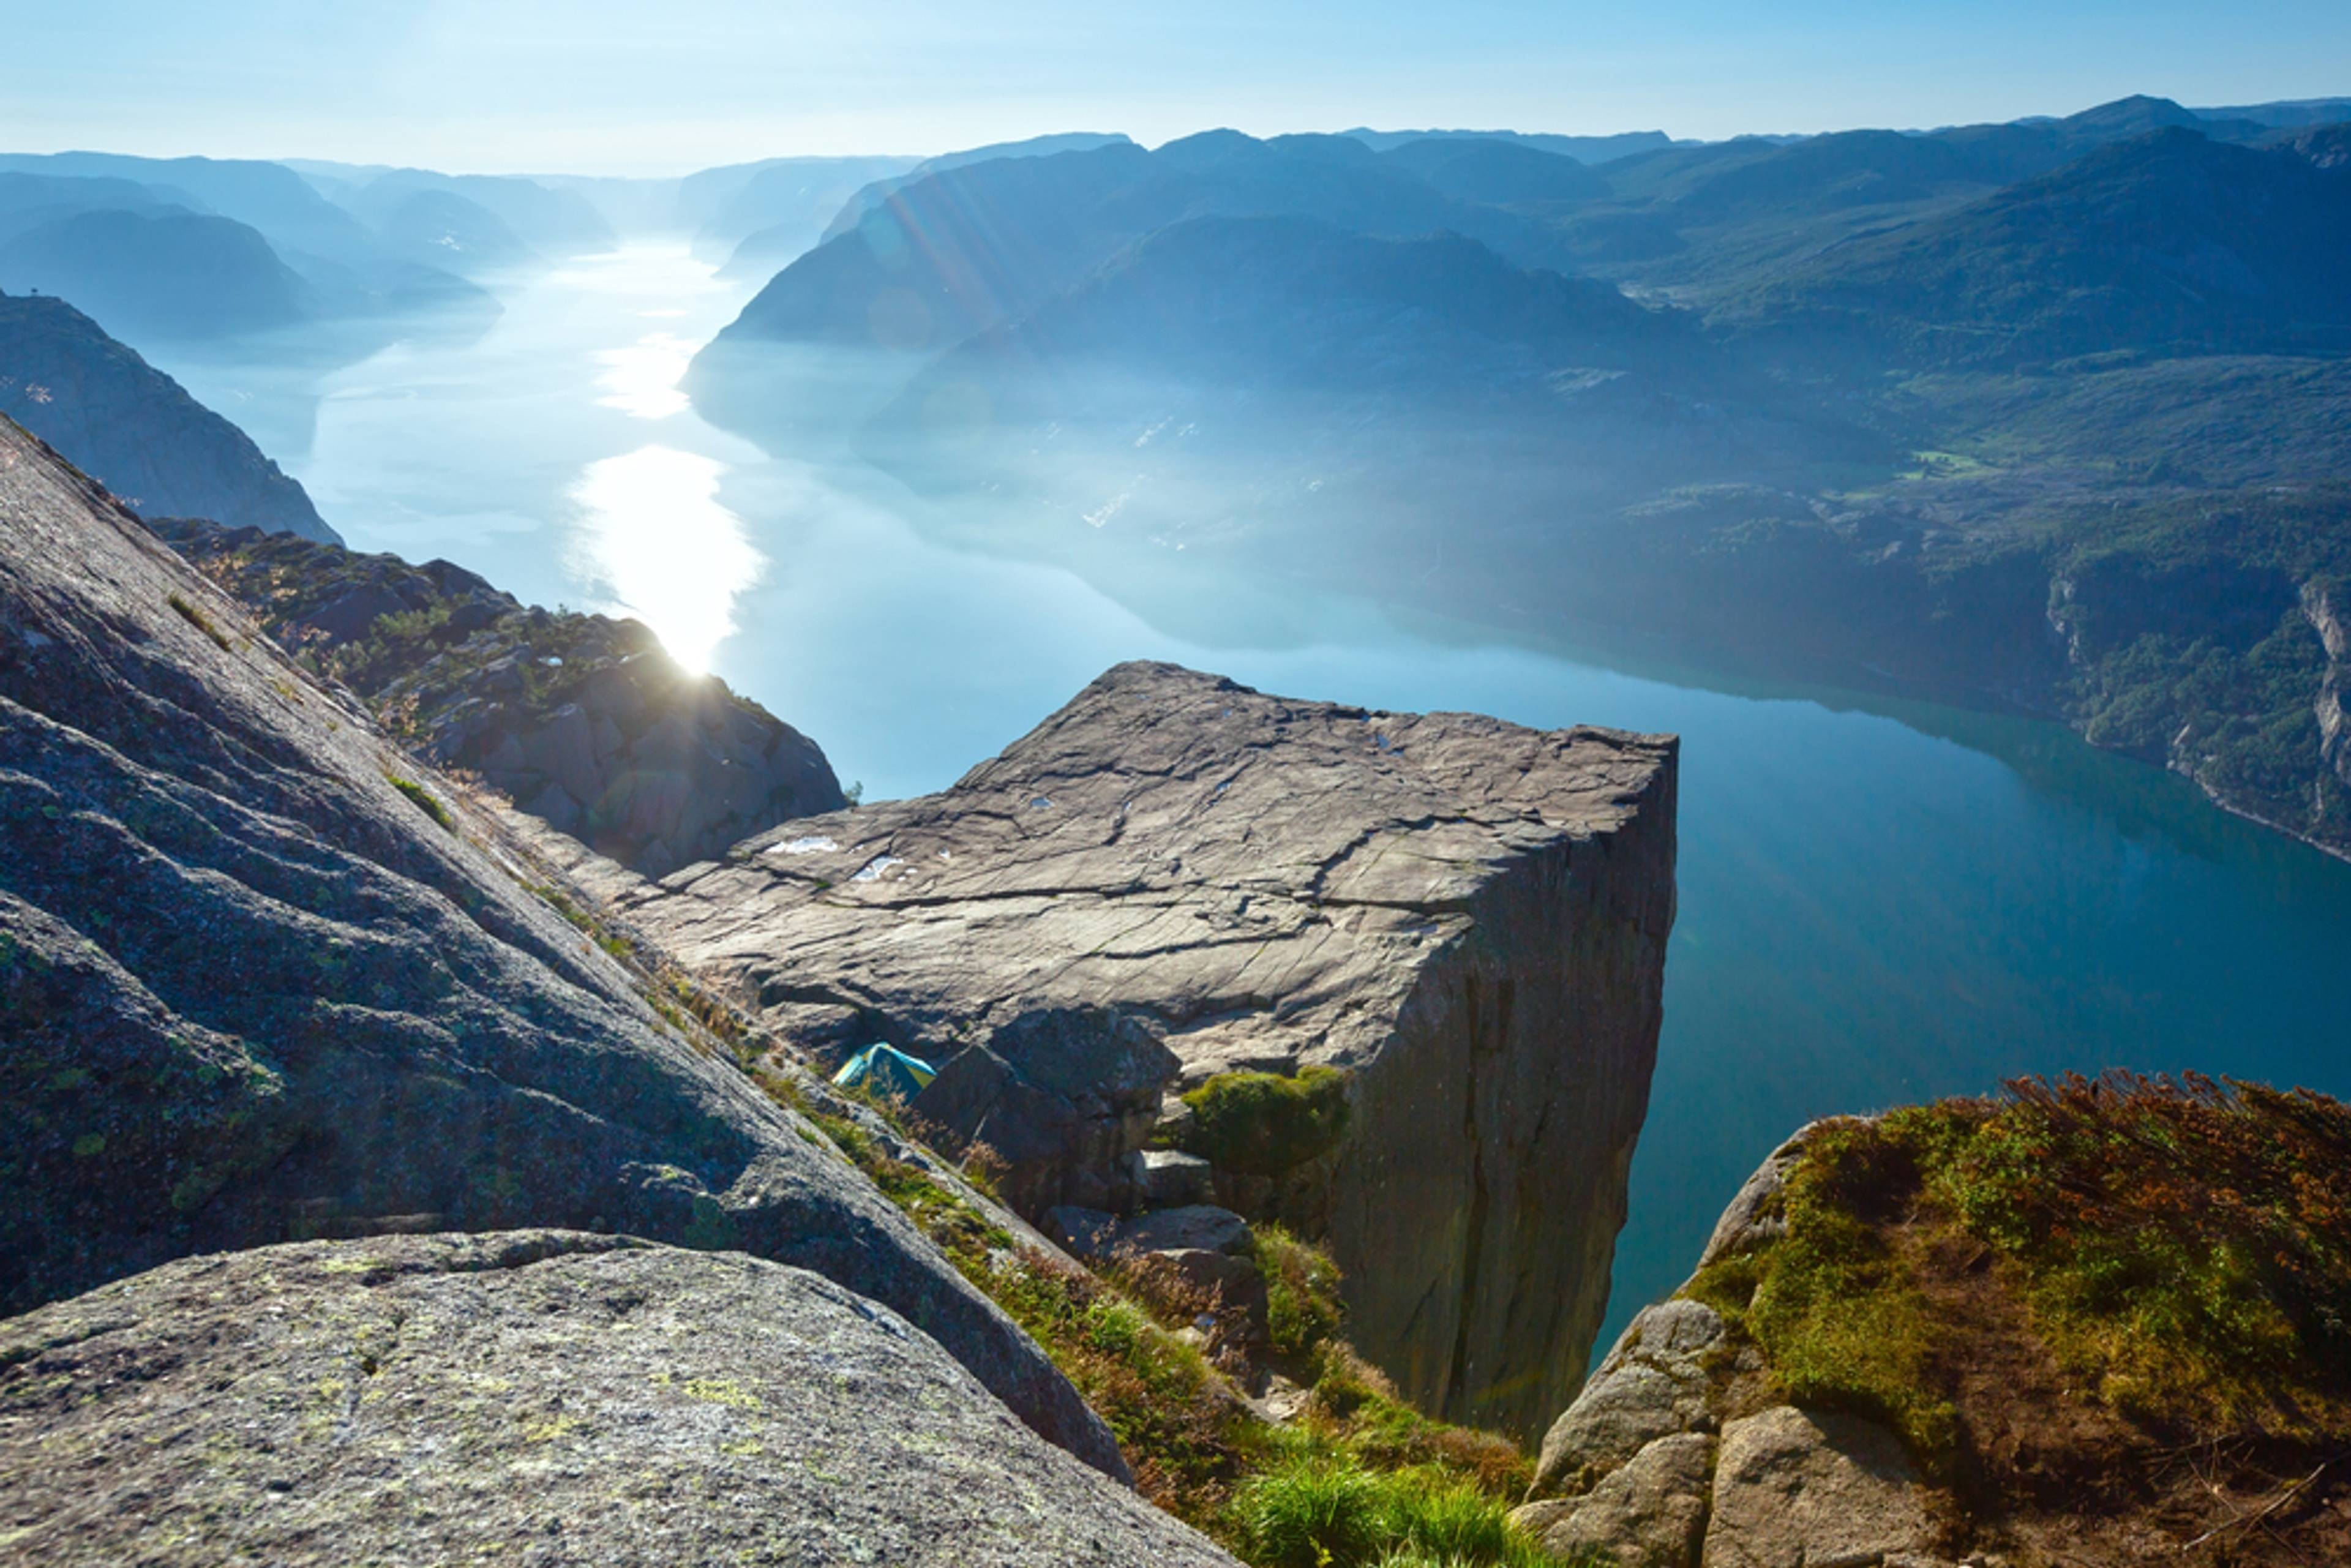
(133,428)
(1465,918)
(1677,1453)
(583,721)
(262,978)
(532,1397)
(1987,1331)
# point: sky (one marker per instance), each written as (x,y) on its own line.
(662,87)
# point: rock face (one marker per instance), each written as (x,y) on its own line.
(133,429)
(581,720)
(2326,607)
(1676,1453)
(536,1396)
(1796,1488)
(1467,917)
(261,981)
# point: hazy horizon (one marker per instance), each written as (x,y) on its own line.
(600,89)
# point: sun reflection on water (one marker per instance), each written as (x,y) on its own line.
(641,379)
(654,532)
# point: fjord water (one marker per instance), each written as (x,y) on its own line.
(1879,901)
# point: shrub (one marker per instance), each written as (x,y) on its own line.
(1301,1289)
(1262,1124)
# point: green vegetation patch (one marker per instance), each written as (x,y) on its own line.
(1262,1124)
(1359,1480)
(424,801)
(200,621)
(2183,1247)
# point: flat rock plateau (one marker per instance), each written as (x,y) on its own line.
(1465,917)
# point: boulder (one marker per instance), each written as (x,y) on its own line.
(1064,1096)
(1202,1228)
(1654,1384)
(1799,1489)
(1650,1512)
(535,1396)
(262,978)
(1466,918)
(1171,1178)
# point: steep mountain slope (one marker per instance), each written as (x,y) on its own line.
(163,273)
(582,721)
(264,980)
(958,251)
(133,429)
(1260,391)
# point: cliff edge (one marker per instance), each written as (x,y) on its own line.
(1444,934)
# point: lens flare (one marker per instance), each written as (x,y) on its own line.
(654,532)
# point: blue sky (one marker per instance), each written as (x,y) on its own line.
(663,86)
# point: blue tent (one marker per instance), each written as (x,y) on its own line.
(885,1073)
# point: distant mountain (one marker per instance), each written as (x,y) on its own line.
(1584,149)
(873,196)
(539,218)
(1000,236)
(2167,243)
(431,226)
(195,247)
(1267,391)
(168,273)
(1499,174)
(31,201)
(1709,222)
(2300,112)
(133,429)
(268,197)
(784,209)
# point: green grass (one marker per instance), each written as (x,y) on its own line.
(200,621)
(2182,1248)
(1262,1124)
(1302,1286)
(1198,1451)
(424,801)
(1317,1506)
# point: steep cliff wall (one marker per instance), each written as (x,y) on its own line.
(1466,918)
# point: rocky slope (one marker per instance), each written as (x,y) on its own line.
(264,980)
(133,429)
(1176,879)
(540,1397)
(581,720)
(2087,1324)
